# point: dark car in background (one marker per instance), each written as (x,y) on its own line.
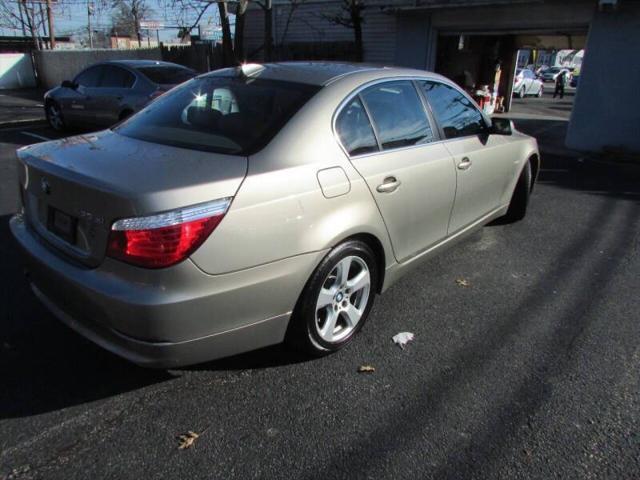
(110,91)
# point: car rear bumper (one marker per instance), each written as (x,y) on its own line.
(170,317)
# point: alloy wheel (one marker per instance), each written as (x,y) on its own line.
(342,299)
(55,116)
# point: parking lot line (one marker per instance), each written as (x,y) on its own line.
(35,135)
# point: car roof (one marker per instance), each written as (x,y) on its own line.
(135,63)
(314,73)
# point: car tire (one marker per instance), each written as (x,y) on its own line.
(520,198)
(54,115)
(336,300)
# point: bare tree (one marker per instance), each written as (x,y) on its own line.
(350,16)
(188,7)
(23,17)
(127,16)
(238,40)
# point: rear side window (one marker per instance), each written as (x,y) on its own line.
(219,114)
(354,129)
(455,112)
(90,77)
(167,75)
(116,77)
(398,114)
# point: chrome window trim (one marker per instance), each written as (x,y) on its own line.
(438,134)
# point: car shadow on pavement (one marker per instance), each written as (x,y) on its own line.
(617,222)
(268,357)
(45,366)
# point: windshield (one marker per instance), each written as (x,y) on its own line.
(553,70)
(167,75)
(219,114)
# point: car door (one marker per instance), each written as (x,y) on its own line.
(112,93)
(483,168)
(79,105)
(389,136)
(531,83)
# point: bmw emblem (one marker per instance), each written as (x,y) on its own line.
(44,186)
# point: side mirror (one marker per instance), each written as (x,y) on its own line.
(69,84)
(502,126)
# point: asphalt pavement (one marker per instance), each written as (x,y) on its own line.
(531,370)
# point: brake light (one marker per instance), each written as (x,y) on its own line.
(165,239)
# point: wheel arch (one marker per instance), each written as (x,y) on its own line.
(378,250)
(534,161)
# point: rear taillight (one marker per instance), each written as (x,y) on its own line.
(165,239)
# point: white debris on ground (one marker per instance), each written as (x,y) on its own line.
(402,338)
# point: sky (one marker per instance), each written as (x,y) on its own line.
(70,16)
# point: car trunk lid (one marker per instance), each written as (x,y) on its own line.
(75,188)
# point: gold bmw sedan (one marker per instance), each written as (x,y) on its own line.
(261,204)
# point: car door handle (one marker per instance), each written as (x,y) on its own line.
(389,184)
(464,163)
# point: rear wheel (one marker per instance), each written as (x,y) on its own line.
(336,301)
(520,199)
(54,116)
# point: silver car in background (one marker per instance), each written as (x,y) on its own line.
(526,83)
(108,92)
(261,204)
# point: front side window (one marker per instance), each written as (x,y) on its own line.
(354,129)
(219,114)
(454,111)
(90,77)
(398,114)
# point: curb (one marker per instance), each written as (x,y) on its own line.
(22,123)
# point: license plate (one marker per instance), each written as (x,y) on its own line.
(63,225)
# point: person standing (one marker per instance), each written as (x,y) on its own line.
(561,79)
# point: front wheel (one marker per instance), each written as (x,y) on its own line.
(54,116)
(520,198)
(336,300)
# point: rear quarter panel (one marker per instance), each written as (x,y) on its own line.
(280,210)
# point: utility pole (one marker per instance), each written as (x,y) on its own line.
(89,13)
(52,36)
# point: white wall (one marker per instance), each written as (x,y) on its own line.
(16,71)
(606,111)
(54,66)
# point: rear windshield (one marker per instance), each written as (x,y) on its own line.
(219,114)
(167,75)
